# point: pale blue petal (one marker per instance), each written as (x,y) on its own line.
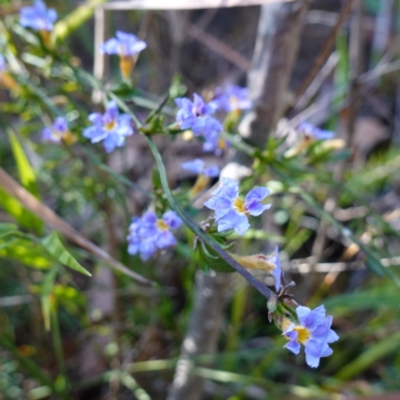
(229,189)
(313,350)
(195,166)
(212,203)
(211,172)
(172,220)
(60,124)
(257,194)
(112,141)
(94,134)
(165,239)
(312,360)
(302,312)
(313,318)
(327,351)
(255,208)
(293,346)
(147,250)
(332,337)
(234,220)
(111,46)
(149,218)
(133,249)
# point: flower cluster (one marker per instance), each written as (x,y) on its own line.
(149,234)
(232,99)
(231,211)
(57,132)
(313,331)
(196,115)
(38,17)
(111,127)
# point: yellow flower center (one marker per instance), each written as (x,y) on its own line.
(238,205)
(234,102)
(110,125)
(222,144)
(57,134)
(303,334)
(161,225)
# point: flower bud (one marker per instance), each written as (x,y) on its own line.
(201,182)
(272,303)
(255,261)
(285,323)
(126,64)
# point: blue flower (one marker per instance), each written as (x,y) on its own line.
(231,212)
(314,332)
(312,132)
(190,113)
(149,234)
(198,167)
(232,98)
(110,127)
(196,115)
(206,126)
(277,272)
(125,44)
(57,132)
(38,17)
(214,141)
(2,63)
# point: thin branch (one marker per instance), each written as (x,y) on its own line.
(219,47)
(325,52)
(184,4)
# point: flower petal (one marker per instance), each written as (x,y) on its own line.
(234,220)
(172,220)
(293,346)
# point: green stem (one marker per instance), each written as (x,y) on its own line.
(57,343)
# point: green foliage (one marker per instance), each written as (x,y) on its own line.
(56,249)
(86,188)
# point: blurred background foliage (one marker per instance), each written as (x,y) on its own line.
(51,313)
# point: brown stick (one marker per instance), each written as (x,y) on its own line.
(51,218)
(219,47)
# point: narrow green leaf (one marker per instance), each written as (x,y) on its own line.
(26,252)
(26,174)
(14,208)
(7,229)
(46,293)
(6,243)
(376,352)
(54,247)
(376,298)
